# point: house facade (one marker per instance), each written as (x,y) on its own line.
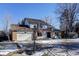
(25,30)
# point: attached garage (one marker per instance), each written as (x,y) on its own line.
(21,36)
(24,36)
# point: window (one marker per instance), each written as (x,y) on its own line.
(39,33)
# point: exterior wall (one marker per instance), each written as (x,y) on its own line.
(21,36)
(14,36)
(18,35)
(44,35)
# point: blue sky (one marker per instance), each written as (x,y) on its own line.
(31,10)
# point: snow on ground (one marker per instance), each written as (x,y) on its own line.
(48,52)
(57,52)
(54,51)
(5,52)
(57,41)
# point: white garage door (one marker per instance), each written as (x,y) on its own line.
(24,36)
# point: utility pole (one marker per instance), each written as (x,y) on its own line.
(34,38)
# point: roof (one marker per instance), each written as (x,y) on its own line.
(15,27)
(35,21)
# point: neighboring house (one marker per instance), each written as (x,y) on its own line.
(3,36)
(25,30)
(76,28)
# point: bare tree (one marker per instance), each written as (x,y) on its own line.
(7,19)
(68,14)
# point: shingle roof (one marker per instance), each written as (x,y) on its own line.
(35,21)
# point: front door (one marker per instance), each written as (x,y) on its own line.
(48,35)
